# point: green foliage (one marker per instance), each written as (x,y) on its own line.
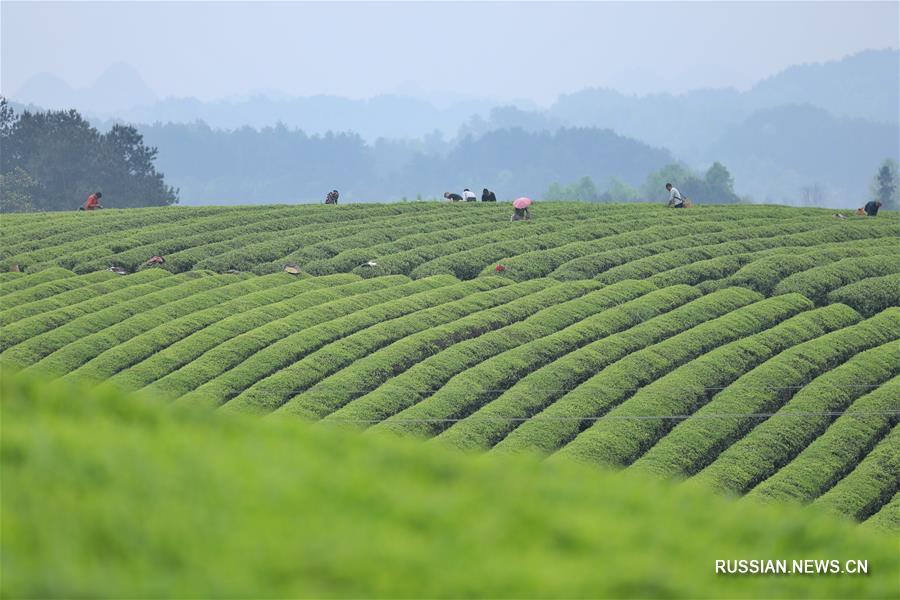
(583,190)
(32,295)
(91,337)
(655,184)
(888,518)
(17,191)
(777,440)
(886,185)
(582,439)
(768,242)
(467,264)
(716,186)
(767,272)
(327,343)
(280,387)
(696,442)
(124,345)
(818,282)
(23,283)
(53,160)
(870,485)
(832,455)
(597,315)
(619,191)
(29,346)
(466,257)
(489,329)
(718,178)
(94,505)
(130,288)
(568,404)
(544,370)
(584,259)
(539,392)
(871,295)
(478,363)
(622,435)
(421,238)
(211,350)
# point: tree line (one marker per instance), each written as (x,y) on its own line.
(53,160)
(716,186)
(281,164)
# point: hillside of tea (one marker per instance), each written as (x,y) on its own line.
(755,349)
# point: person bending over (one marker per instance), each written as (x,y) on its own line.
(676,200)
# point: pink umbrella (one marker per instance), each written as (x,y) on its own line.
(522,202)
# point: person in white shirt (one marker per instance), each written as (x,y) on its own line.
(675,198)
(469,195)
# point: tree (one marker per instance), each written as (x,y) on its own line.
(67,159)
(720,185)
(7,118)
(654,187)
(886,185)
(715,187)
(812,195)
(718,177)
(17,191)
(584,190)
(130,179)
(619,191)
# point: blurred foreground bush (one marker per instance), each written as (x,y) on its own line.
(110,496)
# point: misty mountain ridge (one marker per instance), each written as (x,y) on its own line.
(825,125)
(793,147)
(119,88)
(864,85)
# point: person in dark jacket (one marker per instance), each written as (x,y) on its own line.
(332,197)
(520,214)
(871,208)
(452,197)
(488,196)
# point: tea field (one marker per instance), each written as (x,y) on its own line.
(755,349)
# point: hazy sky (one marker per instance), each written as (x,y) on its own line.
(500,50)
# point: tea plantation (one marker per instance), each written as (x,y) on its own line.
(754,350)
(601,320)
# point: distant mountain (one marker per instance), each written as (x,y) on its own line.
(826,124)
(685,124)
(48,91)
(776,152)
(381,116)
(865,85)
(119,88)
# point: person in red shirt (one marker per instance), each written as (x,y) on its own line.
(93,202)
